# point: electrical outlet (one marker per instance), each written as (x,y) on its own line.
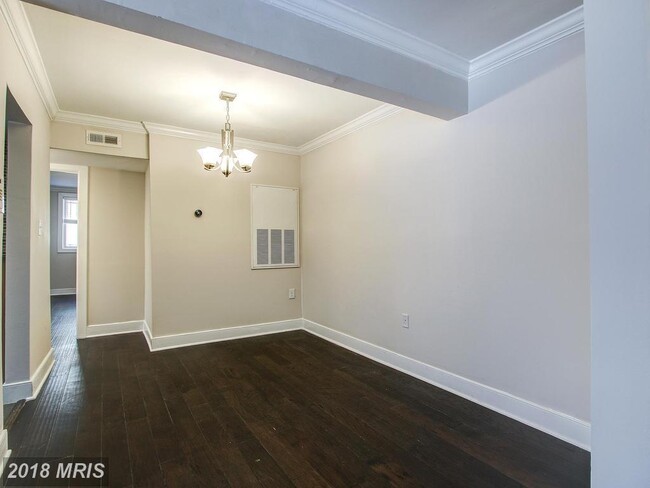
(405,320)
(292,293)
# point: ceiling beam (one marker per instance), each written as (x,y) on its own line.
(261,34)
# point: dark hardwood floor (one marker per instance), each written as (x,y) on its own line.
(276,411)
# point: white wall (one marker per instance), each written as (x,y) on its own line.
(115,246)
(72,137)
(147,249)
(476,227)
(201,277)
(618,82)
(63,265)
(15,76)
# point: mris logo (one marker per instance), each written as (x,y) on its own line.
(55,471)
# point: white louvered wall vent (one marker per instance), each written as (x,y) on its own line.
(274,219)
(103,139)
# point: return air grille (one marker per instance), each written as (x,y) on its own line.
(280,247)
(274,227)
(103,139)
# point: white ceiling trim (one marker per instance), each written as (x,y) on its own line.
(99,121)
(21,30)
(343,18)
(365,120)
(534,40)
(333,14)
(215,139)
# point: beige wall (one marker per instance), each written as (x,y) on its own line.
(63,265)
(14,75)
(115,246)
(147,249)
(73,138)
(201,276)
(478,228)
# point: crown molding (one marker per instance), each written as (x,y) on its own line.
(354,125)
(534,40)
(21,30)
(342,18)
(99,121)
(215,139)
(364,120)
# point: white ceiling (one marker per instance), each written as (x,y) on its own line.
(101,70)
(467,28)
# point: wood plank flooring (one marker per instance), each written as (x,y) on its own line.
(275,411)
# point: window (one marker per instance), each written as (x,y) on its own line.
(68,216)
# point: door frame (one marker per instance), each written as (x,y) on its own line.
(82,242)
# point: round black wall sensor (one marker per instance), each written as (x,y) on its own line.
(198,212)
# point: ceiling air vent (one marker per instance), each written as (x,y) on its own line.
(103,139)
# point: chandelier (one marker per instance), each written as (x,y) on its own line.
(227,159)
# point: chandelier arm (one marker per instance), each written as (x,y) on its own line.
(238,167)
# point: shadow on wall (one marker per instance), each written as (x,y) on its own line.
(16,253)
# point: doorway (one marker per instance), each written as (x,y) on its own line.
(68,243)
(64,223)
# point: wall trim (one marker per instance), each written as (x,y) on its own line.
(534,40)
(146,330)
(329,13)
(41,374)
(29,389)
(98,330)
(5,452)
(215,139)
(345,19)
(342,18)
(369,118)
(99,121)
(226,334)
(21,30)
(63,291)
(13,392)
(557,424)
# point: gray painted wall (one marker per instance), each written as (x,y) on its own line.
(18,249)
(63,266)
(618,103)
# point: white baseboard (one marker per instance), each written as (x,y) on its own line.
(146,330)
(63,291)
(99,330)
(13,392)
(558,424)
(217,335)
(28,390)
(41,374)
(5,452)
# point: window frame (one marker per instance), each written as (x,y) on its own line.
(63,196)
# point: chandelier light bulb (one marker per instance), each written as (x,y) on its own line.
(210,157)
(227,159)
